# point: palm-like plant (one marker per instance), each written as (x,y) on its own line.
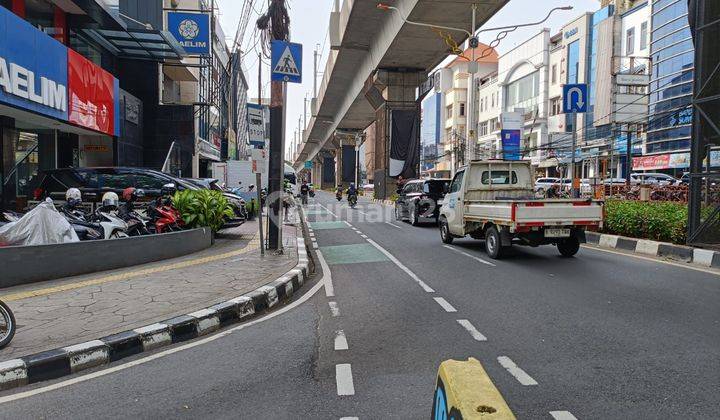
(203,208)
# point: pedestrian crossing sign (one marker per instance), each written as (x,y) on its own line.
(286,62)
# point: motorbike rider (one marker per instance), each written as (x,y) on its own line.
(304,191)
(339,192)
(352,193)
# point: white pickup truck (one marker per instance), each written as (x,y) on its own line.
(494,200)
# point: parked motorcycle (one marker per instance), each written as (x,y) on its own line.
(7,325)
(163,216)
(137,224)
(103,224)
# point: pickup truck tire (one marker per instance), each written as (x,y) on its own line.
(445,234)
(493,243)
(569,247)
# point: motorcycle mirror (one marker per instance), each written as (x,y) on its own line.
(140,193)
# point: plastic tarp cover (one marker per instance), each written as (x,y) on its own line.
(42,225)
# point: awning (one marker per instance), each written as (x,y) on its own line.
(139,44)
(179,72)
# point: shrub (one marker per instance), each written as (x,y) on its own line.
(659,221)
(203,208)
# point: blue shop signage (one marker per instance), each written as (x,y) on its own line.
(192,31)
(33,68)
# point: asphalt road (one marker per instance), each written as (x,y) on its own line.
(601,335)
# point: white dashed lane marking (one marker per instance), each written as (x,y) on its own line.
(344,379)
(472,330)
(394,225)
(445,305)
(562,415)
(515,371)
(340,340)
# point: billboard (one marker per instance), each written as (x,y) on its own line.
(192,31)
(33,69)
(430,125)
(92,96)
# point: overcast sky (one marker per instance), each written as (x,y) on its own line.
(309,26)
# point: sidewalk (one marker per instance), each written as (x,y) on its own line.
(72,310)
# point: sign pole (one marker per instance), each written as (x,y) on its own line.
(572,159)
(258,181)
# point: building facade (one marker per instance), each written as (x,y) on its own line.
(671,87)
(63,100)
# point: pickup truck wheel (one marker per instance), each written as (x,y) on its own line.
(413,216)
(445,231)
(568,247)
(493,245)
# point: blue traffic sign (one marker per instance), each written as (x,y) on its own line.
(575,98)
(286,63)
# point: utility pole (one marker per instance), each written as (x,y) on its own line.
(315,73)
(276,12)
(470,112)
(628,157)
(258,174)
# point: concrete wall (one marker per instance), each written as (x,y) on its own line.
(21,264)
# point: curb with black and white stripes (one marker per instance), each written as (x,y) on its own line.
(56,363)
(703,257)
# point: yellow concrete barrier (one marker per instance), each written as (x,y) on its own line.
(465,391)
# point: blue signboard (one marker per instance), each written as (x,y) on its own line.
(286,63)
(510,144)
(33,68)
(192,31)
(575,98)
(308,164)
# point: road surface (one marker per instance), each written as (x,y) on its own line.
(602,335)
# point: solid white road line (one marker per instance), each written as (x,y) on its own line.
(328,210)
(472,330)
(478,259)
(515,371)
(349,418)
(445,305)
(340,340)
(655,260)
(327,275)
(562,415)
(334,308)
(59,385)
(397,262)
(393,225)
(344,379)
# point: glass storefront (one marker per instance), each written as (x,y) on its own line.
(671,86)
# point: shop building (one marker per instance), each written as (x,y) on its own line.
(671,89)
(186,98)
(61,102)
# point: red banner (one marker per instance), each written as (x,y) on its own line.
(91,95)
(651,162)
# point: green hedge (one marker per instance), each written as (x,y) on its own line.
(659,221)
